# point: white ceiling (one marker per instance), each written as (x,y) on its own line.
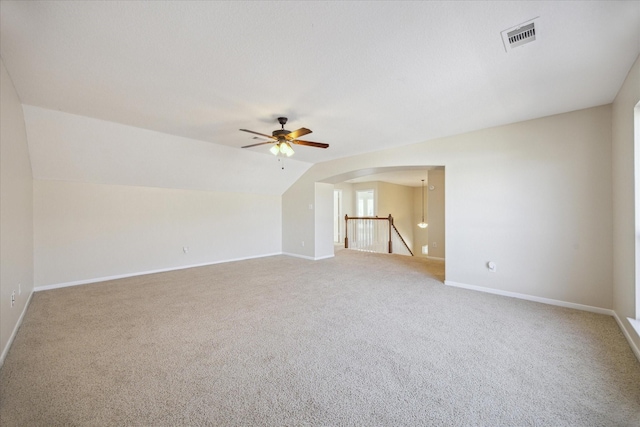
(362,75)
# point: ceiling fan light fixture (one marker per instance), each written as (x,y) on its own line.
(282,147)
(286,149)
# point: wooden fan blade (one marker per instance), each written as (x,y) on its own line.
(258,133)
(297,133)
(311,144)
(255,145)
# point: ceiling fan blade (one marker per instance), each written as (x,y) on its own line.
(258,133)
(311,144)
(297,133)
(260,143)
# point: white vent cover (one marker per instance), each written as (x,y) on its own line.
(519,35)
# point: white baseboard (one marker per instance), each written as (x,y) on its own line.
(635,324)
(627,335)
(532,298)
(310,258)
(142,273)
(6,348)
(592,309)
(434,258)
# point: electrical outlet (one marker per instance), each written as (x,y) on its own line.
(434,244)
(185,249)
(13,298)
(303,243)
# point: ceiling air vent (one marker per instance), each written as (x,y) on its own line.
(519,35)
(522,35)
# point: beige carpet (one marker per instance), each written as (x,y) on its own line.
(360,339)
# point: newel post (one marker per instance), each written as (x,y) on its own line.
(390,226)
(346,231)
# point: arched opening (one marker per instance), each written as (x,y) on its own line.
(399,192)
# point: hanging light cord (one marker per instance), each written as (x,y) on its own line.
(422,223)
(423,200)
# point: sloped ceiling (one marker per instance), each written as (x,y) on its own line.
(68,147)
(362,75)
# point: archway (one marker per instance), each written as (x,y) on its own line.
(398,192)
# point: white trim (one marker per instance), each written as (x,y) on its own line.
(633,346)
(6,348)
(310,258)
(532,298)
(434,258)
(636,325)
(142,273)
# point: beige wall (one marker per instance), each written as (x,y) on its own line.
(625,228)
(347,205)
(397,200)
(90,231)
(323,210)
(298,218)
(16,212)
(435,209)
(528,196)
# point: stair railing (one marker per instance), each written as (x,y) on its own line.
(400,242)
(371,234)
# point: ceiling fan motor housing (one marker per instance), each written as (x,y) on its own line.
(280,133)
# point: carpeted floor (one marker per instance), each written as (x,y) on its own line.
(359,339)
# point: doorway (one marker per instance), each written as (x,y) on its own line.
(338,232)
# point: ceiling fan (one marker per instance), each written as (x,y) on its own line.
(283,139)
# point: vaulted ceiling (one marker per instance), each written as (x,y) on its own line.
(362,75)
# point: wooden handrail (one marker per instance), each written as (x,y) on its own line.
(346,217)
(402,239)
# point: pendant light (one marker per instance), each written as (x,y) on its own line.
(423,224)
